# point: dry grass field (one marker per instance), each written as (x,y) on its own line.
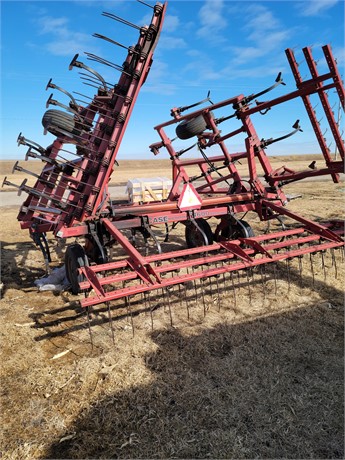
(258,375)
(128,169)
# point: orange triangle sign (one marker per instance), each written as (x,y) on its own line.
(189,198)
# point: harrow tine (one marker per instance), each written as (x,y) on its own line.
(224,282)
(288,271)
(249,290)
(275,277)
(203,294)
(123,21)
(312,268)
(196,291)
(334,263)
(129,310)
(330,253)
(114,42)
(300,266)
(151,309)
(265,278)
(233,288)
(110,322)
(145,301)
(239,279)
(218,296)
(163,295)
(323,265)
(262,268)
(146,4)
(89,324)
(169,307)
(210,286)
(194,283)
(185,299)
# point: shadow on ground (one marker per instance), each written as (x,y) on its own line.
(268,388)
(18,267)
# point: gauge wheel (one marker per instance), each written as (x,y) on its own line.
(238,229)
(59,123)
(190,128)
(194,238)
(75,258)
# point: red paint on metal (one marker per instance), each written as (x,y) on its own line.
(71,198)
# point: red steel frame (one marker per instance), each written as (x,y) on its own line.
(68,196)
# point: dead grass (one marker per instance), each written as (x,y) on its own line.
(259,378)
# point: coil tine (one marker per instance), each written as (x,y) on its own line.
(150,308)
(249,290)
(89,325)
(122,21)
(203,294)
(129,310)
(224,282)
(185,299)
(196,291)
(89,84)
(288,271)
(334,263)
(218,296)
(146,4)
(100,60)
(169,307)
(110,322)
(92,78)
(323,265)
(300,266)
(233,288)
(263,273)
(144,294)
(81,94)
(275,277)
(114,42)
(312,268)
(163,295)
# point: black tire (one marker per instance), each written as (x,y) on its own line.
(59,123)
(190,128)
(238,229)
(75,258)
(194,238)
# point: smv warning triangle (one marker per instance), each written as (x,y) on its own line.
(189,198)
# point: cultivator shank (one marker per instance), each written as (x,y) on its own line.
(71,197)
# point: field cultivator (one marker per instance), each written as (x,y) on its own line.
(71,197)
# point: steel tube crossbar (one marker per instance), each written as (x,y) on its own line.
(169,263)
(205,273)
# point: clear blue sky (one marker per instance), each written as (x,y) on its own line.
(228,47)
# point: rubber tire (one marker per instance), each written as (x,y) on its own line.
(75,258)
(233,232)
(190,128)
(194,238)
(55,120)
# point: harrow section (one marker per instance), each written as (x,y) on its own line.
(71,197)
(137,274)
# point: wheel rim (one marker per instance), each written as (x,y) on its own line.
(240,229)
(196,238)
(75,258)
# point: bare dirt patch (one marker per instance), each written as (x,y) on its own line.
(258,374)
